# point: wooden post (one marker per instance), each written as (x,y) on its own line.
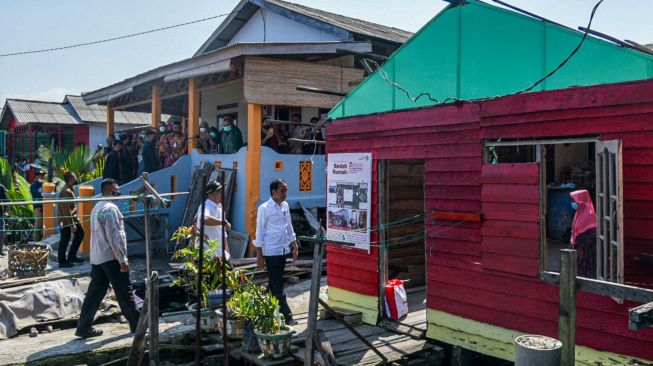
(252,170)
(85,216)
(567,316)
(156,106)
(138,344)
(193,112)
(48,210)
(382,169)
(313,303)
(110,120)
(153,316)
(148,239)
(324,346)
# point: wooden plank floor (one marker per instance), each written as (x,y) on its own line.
(393,343)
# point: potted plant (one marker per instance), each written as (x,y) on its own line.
(189,255)
(274,336)
(237,305)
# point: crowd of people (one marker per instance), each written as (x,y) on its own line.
(283,137)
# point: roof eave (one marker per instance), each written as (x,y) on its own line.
(113,91)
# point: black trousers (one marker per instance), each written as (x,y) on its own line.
(101,276)
(276,264)
(66,233)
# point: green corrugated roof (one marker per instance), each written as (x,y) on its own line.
(478,50)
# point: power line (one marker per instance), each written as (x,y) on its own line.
(113,38)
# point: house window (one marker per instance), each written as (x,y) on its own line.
(565,166)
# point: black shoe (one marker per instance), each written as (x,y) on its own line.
(76,260)
(65,265)
(2,254)
(291,322)
(93,332)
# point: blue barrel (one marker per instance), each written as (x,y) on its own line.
(559,214)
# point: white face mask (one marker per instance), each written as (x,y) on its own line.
(162,129)
(202,130)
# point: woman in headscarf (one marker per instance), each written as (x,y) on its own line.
(583,233)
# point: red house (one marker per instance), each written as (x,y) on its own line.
(491,177)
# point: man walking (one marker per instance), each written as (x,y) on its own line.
(274,234)
(67,212)
(109,264)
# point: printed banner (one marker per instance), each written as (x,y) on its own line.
(349,178)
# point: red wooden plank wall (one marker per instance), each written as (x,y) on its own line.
(510,204)
(485,274)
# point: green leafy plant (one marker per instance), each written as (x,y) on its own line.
(189,255)
(257,306)
(83,162)
(17,190)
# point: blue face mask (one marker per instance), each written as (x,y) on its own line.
(574,205)
(212,134)
(227,128)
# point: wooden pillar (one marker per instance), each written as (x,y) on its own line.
(252,170)
(567,316)
(60,138)
(48,209)
(156,106)
(193,112)
(84,213)
(110,119)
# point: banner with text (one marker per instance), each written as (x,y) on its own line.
(349,178)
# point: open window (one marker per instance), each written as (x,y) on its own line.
(567,165)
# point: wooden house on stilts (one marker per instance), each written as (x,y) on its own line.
(456,135)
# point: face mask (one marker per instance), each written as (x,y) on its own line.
(227,128)
(574,205)
(202,130)
(212,134)
(162,129)
(116,194)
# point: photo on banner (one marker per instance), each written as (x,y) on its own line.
(349,178)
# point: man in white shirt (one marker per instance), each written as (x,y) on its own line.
(109,264)
(274,234)
(213,220)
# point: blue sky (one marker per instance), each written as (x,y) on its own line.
(37,24)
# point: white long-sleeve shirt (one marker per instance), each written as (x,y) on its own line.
(274,230)
(108,239)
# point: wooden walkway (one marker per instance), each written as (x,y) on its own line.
(396,340)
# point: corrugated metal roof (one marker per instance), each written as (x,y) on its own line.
(32,111)
(95,113)
(353,25)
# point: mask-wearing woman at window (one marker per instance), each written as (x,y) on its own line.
(583,233)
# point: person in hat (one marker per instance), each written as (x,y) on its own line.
(213,220)
(36,189)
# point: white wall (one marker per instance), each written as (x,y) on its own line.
(279,29)
(229,93)
(97,133)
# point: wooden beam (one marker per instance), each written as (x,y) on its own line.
(314,295)
(616,290)
(156,106)
(110,120)
(640,317)
(193,112)
(324,346)
(456,216)
(567,315)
